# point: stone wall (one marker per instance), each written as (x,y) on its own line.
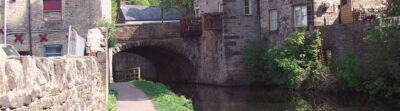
(207,6)
(124,61)
(56,84)
(317,16)
(80,14)
(147,31)
(337,38)
(237,28)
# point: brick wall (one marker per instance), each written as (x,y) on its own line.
(80,14)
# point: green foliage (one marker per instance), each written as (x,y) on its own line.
(351,67)
(114,9)
(110,31)
(252,57)
(164,99)
(394,8)
(379,74)
(112,100)
(143,2)
(289,65)
(185,6)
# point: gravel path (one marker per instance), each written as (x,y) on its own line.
(130,98)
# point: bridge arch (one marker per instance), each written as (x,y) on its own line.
(174,60)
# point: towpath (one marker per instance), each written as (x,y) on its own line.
(130,98)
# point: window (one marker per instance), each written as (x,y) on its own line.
(51,4)
(247,7)
(197,12)
(219,7)
(300,16)
(273,20)
(52,50)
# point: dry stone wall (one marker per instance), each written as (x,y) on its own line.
(55,84)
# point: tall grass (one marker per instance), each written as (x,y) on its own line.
(163,99)
(112,100)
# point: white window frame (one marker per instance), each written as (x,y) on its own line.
(247,7)
(197,12)
(300,16)
(273,19)
(219,7)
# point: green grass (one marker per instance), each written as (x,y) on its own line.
(112,100)
(163,99)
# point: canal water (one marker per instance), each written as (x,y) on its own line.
(214,98)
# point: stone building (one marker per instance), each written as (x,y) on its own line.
(349,6)
(50,20)
(240,22)
(252,19)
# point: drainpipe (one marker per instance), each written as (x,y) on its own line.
(30,27)
(5,22)
(259,18)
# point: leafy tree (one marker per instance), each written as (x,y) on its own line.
(185,6)
(143,2)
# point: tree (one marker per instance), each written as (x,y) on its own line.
(185,6)
(144,2)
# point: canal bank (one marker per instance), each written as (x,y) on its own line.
(247,98)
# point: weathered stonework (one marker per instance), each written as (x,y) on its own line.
(55,84)
(80,14)
(125,61)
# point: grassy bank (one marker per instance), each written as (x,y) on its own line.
(112,100)
(163,99)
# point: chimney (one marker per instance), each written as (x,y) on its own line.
(121,3)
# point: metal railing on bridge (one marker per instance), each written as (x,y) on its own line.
(191,26)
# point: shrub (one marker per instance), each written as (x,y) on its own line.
(298,60)
(351,67)
(252,57)
(110,31)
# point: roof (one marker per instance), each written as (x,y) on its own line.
(146,13)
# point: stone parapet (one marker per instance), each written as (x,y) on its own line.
(55,83)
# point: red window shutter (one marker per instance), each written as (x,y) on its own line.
(51,4)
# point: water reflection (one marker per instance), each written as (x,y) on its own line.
(212,98)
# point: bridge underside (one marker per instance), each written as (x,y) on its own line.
(169,67)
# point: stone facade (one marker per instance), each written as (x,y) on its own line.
(317,15)
(207,6)
(239,27)
(80,14)
(125,61)
(55,84)
(347,15)
(221,50)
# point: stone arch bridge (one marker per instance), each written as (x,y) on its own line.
(175,58)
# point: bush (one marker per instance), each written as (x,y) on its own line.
(296,64)
(351,67)
(110,31)
(252,57)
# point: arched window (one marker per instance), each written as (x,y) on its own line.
(52,5)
